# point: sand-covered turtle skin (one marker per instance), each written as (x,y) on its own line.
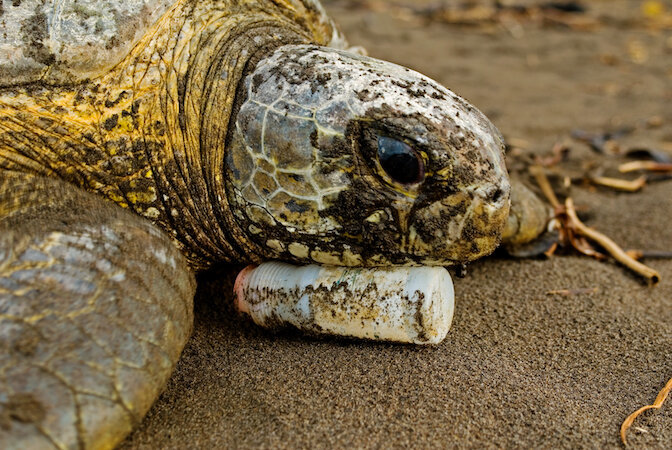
(130,156)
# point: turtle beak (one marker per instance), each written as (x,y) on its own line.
(464,209)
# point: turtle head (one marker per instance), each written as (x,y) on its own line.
(347,160)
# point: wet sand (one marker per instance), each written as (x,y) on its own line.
(520,367)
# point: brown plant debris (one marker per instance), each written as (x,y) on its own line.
(619,184)
(651,166)
(651,275)
(573,292)
(657,404)
(559,153)
(542,180)
(575,234)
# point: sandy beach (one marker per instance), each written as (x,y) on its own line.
(520,367)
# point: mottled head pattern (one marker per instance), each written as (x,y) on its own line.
(342,159)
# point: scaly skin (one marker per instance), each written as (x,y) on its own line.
(95,308)
(150,134)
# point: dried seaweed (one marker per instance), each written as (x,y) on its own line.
(573,292)
(657,404)
(575,234)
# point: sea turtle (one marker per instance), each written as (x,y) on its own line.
(143,140)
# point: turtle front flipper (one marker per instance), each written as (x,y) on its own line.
(96,305)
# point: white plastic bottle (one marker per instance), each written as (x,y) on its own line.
(402,304)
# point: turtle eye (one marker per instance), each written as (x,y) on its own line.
(400,161)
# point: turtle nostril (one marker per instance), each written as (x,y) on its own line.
(496,195)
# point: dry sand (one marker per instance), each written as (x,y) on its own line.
(519,367)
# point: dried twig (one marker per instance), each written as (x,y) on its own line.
(581,244)
(572,292)
(544,185)
(610,246)
(662,395)
(651,166)
(619,184)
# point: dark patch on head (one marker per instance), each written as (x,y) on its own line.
(402,83)
(427,226)
(296,207)
(113,42)
(466,175)
(470,231)
(16,3)
(24,408)
(314,139)
(323,78)
(350,209)
(256,81)
(27,342)
(367,96)
(294,70)
(230,163)
(33,34)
